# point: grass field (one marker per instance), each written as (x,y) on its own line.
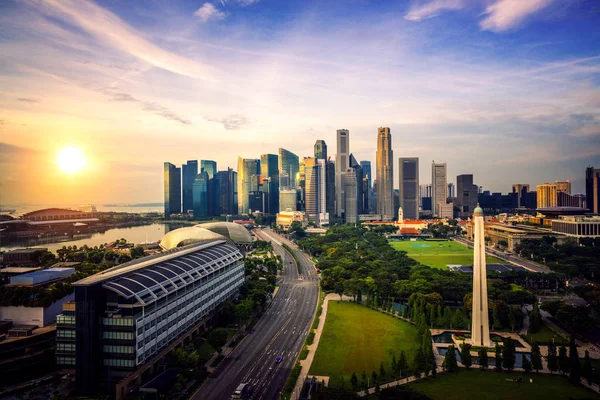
(544,336)
(438,254)
(357,339)
(490,385)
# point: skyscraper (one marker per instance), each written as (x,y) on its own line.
(321,150)
(269,170)
(438,187)
(342,162)
(480,329)
(592,189)
(290,164)
(228,196)
(521,189)
(210,167)
(368,195)
(546,195)
(201,195)
(564,187)
(466,196)
(409,186)
(172,178)
(315,190)
(188,174)
(248,171)
(451,192)
(385,175)
(330,187)
(350,196)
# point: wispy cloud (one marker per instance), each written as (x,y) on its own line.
(424,10)
(209,12)
(27,100)
(503,15)
(232,122)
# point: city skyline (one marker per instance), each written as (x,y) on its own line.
(517,92)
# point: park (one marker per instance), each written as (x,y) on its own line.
(440,253)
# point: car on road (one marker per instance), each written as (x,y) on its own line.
(251,331)
(278,359)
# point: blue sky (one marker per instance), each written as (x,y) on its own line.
(508,90)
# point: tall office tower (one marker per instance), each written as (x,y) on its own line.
(480,329)
(358,172)
(201,195)
(330,187)
(546,195)
(172,177)
(188,175)
(269,168)
(342,162)
(424,191)
(316,191)
(451,192)
(438,186)
(592,189)
(350,196)
(227,183)
(564,187)
(284,180)
(321,150)
(301,186)
(521,189)
(385,175)
(466,196)
(289,163)
(368,195)
(287,199)
(210,167)
(409,186)
(248,170)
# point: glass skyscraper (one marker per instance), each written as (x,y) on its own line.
(320,150)
(210,167)
(269,170)
(188,172)
(172,189)
(201,194)
(290,163)
(248,171)
(409,186)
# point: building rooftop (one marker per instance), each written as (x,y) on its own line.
(29,250)
(556,211)
(18,270)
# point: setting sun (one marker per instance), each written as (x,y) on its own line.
(70,160)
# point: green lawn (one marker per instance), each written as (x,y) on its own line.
(357,339)
(544,336)
(490,385)
(438,254)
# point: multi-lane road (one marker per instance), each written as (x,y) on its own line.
(281,331)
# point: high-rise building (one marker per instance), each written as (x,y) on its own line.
(172,178)
(287,199)
(330,187)
(350,196)
(385,175)
(290,164)
(228,196)
(409,186)
(201,195)
(368,194)
(564,187)
(358,173)
(210,167)
(269,170)
(592,189)
(248,171)
(424,191)
(546,195)
(480,329)
(439,186)
(316,191)
(321,150)
(342,162)
(521,189)
(466,196)
(188,175)
(301,186)
(451,192)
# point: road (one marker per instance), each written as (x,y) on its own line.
(528,265)
(281,331)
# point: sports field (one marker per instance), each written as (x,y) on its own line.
(438,254)
(356,339)
(491,385)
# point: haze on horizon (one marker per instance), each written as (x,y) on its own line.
(507,90)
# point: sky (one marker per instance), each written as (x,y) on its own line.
(508,90)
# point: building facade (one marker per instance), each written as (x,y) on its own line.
(248,173)
(321,150)
(342,162)
(289,164)
(521,189)
(408,172)
(546,195)
(172,189)
(385,175)
(188,175)
(210,167)
(368,187)
(350,196)
(228,194)
(466,197)
(269,170)
(438,187)
(201,195)
(564,187)
(287,200)
(577,226)
(592,189)
(316,191)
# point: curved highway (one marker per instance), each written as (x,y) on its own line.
(281,331)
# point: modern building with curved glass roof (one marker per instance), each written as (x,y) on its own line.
(128,314)
(234,233)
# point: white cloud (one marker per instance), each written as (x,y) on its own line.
(506,14)
(421,11)
(209,12)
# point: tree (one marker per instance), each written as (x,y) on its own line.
(47,259)
(497,325)
(363,380)
(498,358)
(536,357)
(526,364)
(374,376)
(243,311)
(587,367)
(381,370)
(136,252)
(483,358)
(508,354)
(512,319)
(402,364)
(563,360)
(339,289)
(450,364)
(574,365)
(354,382)
(217,338)
(465,355)
(552,360)
(394,365)
(535,319)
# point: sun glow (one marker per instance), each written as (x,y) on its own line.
(70,160)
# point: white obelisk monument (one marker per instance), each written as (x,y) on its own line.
(480,329)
